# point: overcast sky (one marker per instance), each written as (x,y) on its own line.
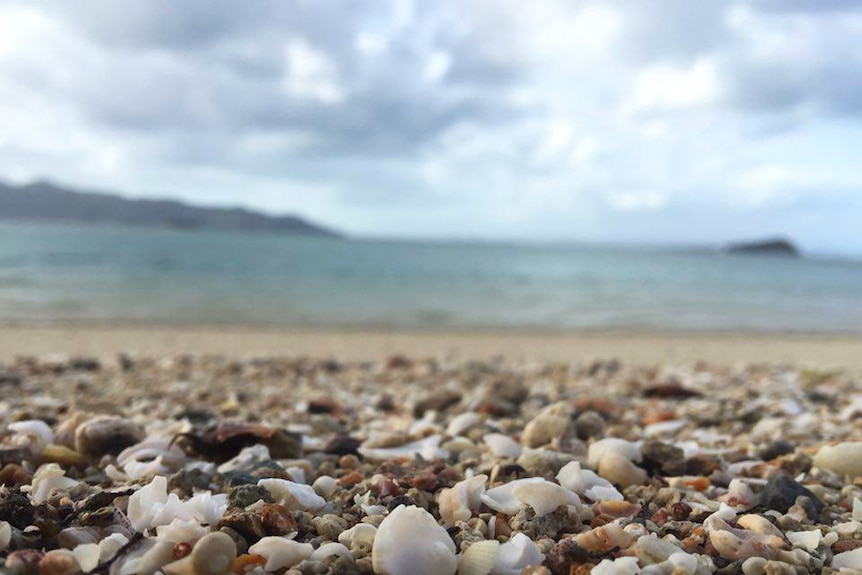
(678,121)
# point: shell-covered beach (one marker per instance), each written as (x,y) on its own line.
(209,465)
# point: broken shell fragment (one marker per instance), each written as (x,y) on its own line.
(460,501)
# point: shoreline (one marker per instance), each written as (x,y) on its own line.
(351,343)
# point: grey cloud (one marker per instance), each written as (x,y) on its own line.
(215,70)
(808,5)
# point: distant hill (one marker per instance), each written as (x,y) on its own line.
(774,246)
(47,203)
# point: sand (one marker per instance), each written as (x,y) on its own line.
(822,351)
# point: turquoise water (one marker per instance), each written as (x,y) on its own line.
(66,274)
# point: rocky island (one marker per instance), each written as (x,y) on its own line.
(774,247)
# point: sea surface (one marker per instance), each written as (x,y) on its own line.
(60,274)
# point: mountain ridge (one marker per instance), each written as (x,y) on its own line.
(47,203)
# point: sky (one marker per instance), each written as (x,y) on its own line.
(633,121)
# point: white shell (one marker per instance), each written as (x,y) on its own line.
(844,459)
(154,455)
(460,501)
(214,554)
(328,550)
(479,558)
(620,470)
(143,501)
(359,534)
(151,506)
(33,433)
(461,423)
(621,447)
(246,458)
(427,448)
(325,485)
(503,498)
(5,535)
(410,542)
(48,477)
(110,545)
(544,497)
(652,550)
(515,554)
(181,530)
(503,445)
(87,555)
(587,483)
(621,566)
(848,560)
(281,552)
(808,540)
(295,496)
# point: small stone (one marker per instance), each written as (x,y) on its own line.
(780,494)
(775,449)
(544,428)
(664,459)
(589,425)
(106,435)
(342,445)
(437,401)
(244,495)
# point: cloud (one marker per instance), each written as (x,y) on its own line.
(485,118)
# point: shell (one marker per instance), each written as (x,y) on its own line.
(615,445)
(503,445)
(325,485)
(587,483)
(295,496)
(460,501)
(146,559)
(544,428)
(620,470)
(515,554)
(848,560)
(808,540)
(48,478)
(427,448)
(281,552)
(87,555)
(620,566)
(155,455)
(503,498)
(544,497)
(359,534)
(32,433)
(395,551)
(214,554)
(151,506)
(844,459)
(604,538)
(142,502)
(246,458)
(181,531)
(327,550)
(5,535)
(652,550)
(102,435)
(479,558)
(461,423)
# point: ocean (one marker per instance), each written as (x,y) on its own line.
(63,274)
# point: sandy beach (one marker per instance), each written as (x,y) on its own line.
(825,351)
